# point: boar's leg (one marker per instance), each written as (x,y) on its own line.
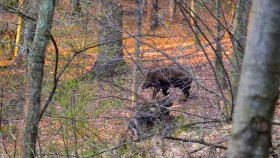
(186,89)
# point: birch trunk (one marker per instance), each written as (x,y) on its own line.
(259,85)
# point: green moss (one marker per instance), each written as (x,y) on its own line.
(180,118)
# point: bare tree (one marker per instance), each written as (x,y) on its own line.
(154,15)
(259,85)
(140,8)
(193,20)
(218,61)
(36,59)
(110,55)
(240,33)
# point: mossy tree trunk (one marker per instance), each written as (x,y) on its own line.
(259,85)
(110,55)
(35,74)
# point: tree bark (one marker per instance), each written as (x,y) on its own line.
(240,28)
(31,9)
(172,10)
(35,77)
(110,55)
(259,85)
(218,61)
(140,9)
(154,15)
(193,21)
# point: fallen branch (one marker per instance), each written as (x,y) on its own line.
(196,141)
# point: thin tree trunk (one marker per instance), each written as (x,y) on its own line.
(35,77)
(218,61)
(1,135)
(259,85)
(19,30)
(172,10)
(3,30)
(140,8)
(110,55)
(240,27)
(154,15)
(193,21)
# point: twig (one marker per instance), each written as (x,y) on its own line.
(55,79)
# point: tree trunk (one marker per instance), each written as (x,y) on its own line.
(31,10)
(145,2)
(259,85)
(19,30)
(240,27)
(35,77)
(172,10)
(110,55)
(140,9)
(193,21)
(77,9)
(218,61)
(3,155)
(154,15)
(3,30)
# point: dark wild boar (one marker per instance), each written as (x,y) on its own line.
(164,78)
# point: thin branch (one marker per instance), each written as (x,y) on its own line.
(55,79)
(196,141)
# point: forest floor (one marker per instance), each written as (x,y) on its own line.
(92,116)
